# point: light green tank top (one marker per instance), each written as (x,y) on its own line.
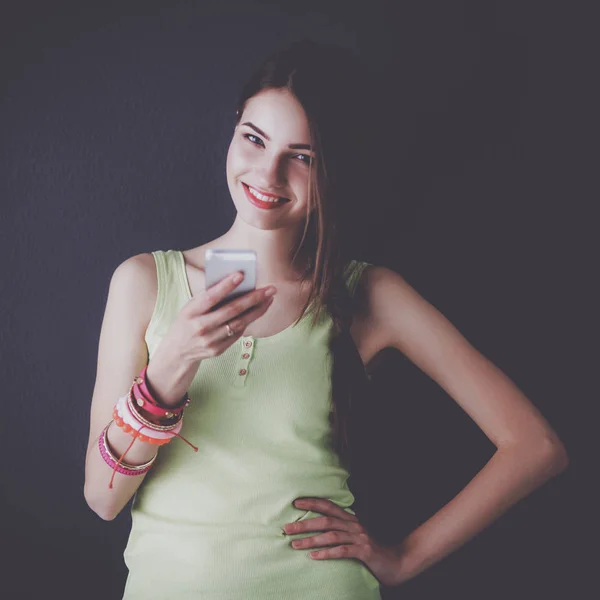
(207,524)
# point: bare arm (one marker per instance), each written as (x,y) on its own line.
(510,475)
(122,353)
(529,450)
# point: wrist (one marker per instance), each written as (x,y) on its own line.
(167,382)
(408,564)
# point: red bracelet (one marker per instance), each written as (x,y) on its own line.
(140,399)
(147,418)
(143,394)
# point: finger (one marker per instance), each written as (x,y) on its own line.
(219,337)
(217,292)
(325,507)
(331,538)
(324,524)
(240,323)
(223,341)
(343,551)
(361,547)
(233,310)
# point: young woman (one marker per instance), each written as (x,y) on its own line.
(263,385)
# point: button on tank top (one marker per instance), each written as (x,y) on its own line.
(208,524)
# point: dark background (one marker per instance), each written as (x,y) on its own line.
(115,120)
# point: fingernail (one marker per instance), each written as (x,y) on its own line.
(270,291)
(238,277)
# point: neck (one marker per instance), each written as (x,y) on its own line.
(274,251)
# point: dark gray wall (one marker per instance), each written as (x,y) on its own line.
(114,122)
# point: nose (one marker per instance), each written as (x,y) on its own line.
(270,174)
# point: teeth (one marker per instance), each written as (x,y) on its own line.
(262,197)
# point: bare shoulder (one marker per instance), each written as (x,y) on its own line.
(136,276)
(395,311)
(381,295)
(138,264)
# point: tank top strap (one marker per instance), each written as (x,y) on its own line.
(170,271)
(352,274)
(172,293)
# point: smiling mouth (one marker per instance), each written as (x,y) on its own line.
(263,199)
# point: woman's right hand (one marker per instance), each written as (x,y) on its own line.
(198,333)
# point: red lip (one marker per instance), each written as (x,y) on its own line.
(260,203)
(263,193)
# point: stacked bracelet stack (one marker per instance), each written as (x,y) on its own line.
(136,411)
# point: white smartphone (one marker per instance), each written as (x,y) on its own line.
(218,264)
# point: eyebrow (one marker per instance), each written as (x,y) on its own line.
(292,146)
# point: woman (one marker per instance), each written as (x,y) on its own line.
(266,382)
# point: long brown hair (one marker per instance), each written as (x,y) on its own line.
(331,83)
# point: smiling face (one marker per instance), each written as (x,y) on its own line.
(269,153)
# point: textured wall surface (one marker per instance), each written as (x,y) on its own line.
(115,120)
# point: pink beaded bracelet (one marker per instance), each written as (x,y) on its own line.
(114,464)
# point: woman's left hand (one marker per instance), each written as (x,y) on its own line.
(348,538)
